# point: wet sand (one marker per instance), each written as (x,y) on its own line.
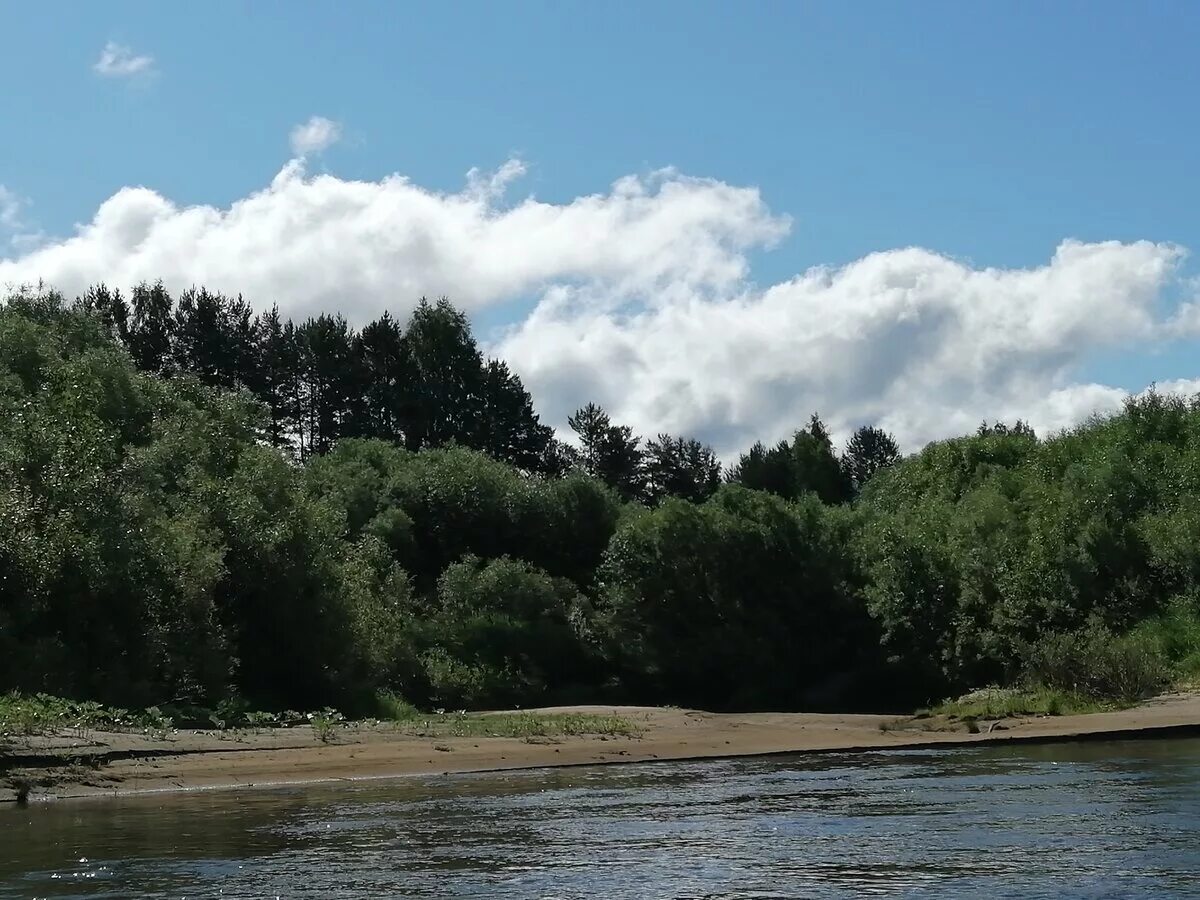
(69,765)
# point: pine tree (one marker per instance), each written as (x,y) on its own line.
(325,353)
(277,376)
(509,428)
(214,338)
(152,329)
(807,463)
(868,451)
(679,467)
(609,452)
(816,466)
(111,307)
(766,469)
(384,379)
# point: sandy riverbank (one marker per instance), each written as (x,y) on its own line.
(70,765)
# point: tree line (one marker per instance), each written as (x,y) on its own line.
(427,384)
(198,503)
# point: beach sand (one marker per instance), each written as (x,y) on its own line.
(68,765)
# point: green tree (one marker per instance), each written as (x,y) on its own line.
(327,382)
(788,470)
(213,338)
(509,429)
(679,467)
(504,634)
(277,377)
(868,451)
(111,309)
(152,548)
(385,377)
(609,452)
(740,601)
(446,388)
(152,329)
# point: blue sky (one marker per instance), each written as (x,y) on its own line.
(983,133)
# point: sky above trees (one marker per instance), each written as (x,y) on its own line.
(753,217)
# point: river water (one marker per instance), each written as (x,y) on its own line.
(1115,819)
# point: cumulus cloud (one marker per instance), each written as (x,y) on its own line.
(119,61)
(919,343)
(318,243)
(315,135)
(14,228)
(1185,322)
(642,299)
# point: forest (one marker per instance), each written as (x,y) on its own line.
(202,504)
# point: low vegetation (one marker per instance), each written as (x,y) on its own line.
(41,714)
(519,725)
(1001,703)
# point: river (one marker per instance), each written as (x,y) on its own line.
(1118,819)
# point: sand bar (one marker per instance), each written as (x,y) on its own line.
(68,765)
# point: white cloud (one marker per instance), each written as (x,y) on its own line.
(316,243)
(119,61)
(1187,387)
(1186,320)
(315,135)
(10,209)
(643,299)
(914,341)
(13,226)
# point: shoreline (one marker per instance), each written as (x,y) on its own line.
(73,766)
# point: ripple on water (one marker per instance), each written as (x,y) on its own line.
(1119,819)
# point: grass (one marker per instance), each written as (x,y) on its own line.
(993,704)
(407,718)
(41,714)
(516,725)
(1002,703)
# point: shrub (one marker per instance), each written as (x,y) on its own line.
(470,684)
(1096,663)
(1177,631)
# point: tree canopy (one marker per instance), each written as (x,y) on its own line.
(202,503)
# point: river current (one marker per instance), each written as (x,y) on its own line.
(1118,819)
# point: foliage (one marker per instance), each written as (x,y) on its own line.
(503,634)
(325,724)
(151,548)
(1095,663)
(740,600)
(869,451)
(517,725)
(219,512)
(679,467)
(806,464)
(435,507)
(979,547)
(608,452)
(43,713)
(998,703)
(1176,631)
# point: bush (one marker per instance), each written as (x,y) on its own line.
(1177,631)
(1096,663)
(470,684)
(736,602)
(504,632)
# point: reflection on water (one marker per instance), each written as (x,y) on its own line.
(1088,820)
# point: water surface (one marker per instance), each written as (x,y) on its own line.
(1115,819)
